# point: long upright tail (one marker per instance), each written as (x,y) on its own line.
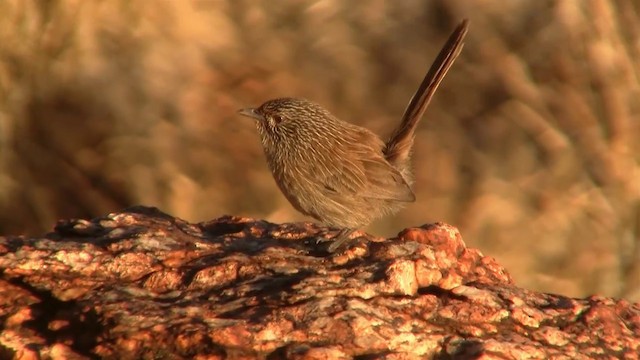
(398,148)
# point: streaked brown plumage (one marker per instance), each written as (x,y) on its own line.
(341,174)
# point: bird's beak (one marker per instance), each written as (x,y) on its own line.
(250,112)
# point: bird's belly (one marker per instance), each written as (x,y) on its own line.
(332,208)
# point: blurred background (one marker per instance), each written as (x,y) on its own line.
(531,146)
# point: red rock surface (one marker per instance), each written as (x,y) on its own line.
(142,284)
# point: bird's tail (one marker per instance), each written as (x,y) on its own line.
(397,150)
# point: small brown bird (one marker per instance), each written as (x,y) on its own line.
(338,173)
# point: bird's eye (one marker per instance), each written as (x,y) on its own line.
(277,119)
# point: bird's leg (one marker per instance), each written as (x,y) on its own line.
(343,238)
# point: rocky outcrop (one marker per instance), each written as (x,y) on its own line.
(142,284)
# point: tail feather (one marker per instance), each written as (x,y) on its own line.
(398,148)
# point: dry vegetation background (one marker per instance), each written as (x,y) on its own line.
(531,147)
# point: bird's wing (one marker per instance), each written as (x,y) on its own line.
(385,182)
(363,171)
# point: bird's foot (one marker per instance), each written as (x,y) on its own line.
(341,241)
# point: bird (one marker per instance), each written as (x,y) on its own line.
(341,174)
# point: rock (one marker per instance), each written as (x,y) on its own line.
(143,284)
